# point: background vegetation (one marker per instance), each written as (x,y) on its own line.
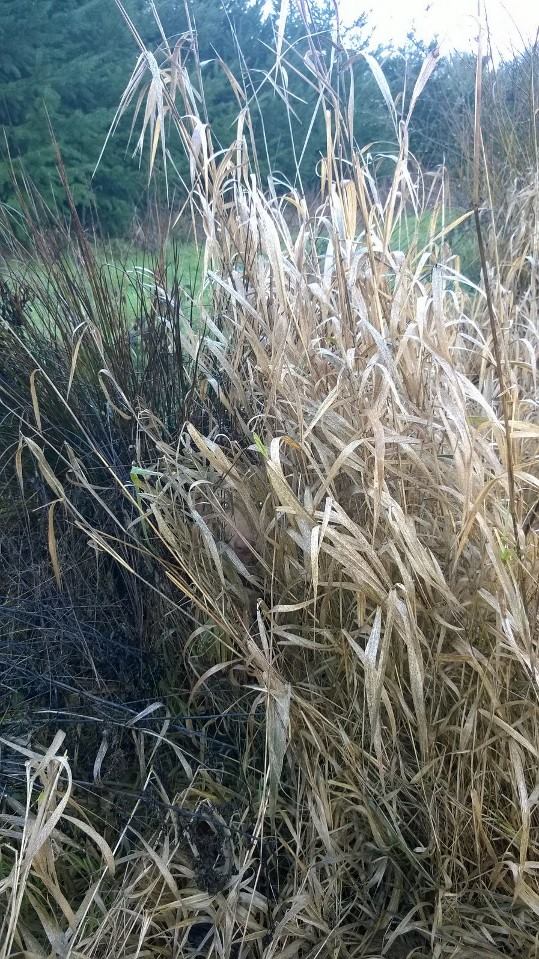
(64,67)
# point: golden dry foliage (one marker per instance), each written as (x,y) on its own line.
(347,546)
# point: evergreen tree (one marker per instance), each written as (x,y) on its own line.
(66,63)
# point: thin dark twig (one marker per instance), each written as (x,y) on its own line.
(501,379)
(478,140)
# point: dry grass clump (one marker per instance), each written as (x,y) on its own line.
(344,538)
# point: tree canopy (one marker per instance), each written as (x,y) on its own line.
(66,63)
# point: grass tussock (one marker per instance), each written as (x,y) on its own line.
(340,756)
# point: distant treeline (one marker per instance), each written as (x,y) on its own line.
(66,63)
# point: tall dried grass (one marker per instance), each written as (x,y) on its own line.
(344,538)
